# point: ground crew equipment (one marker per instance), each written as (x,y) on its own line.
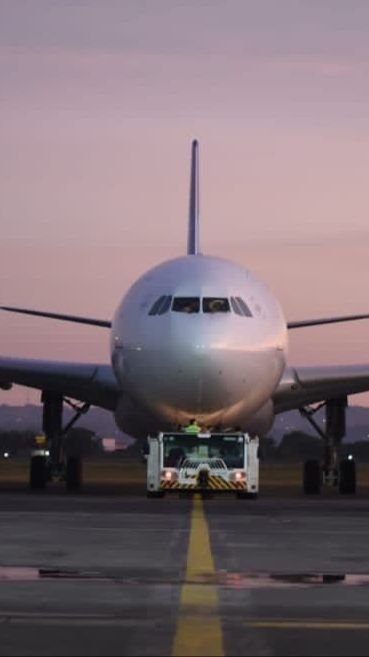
(40,440)
(193,427)
(217,462)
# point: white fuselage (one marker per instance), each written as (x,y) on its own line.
(220,368)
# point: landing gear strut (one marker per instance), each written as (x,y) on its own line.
(332,472)
(51,464)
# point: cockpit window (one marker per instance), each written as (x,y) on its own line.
(186,305)
(215,305)
(164,307)
(236,308)
(240,307)
(244,307)
(156,306)
(161,305)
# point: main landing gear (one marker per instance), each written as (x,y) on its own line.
(48,462)
(333,472)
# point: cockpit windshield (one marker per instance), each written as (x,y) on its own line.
(208,305)
(244,307)
(215,305)
(161,305)
(240,307)
(186,305)
(165,306)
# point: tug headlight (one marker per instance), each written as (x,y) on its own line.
(169,475)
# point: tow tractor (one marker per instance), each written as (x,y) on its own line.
(212,462)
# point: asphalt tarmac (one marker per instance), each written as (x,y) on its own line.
(112,573)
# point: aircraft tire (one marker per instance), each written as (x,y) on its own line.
(38,472)
(73,473)
(347,477)
(312,477)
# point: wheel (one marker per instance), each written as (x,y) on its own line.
(312,478)
(155,494)
(38,472)
(347,479)
(242,495)
(73,473)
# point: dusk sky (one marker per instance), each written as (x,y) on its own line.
(99,101)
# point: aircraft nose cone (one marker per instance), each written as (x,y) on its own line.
(201,380)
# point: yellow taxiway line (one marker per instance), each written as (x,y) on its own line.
(199,628)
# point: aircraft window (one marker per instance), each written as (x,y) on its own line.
(245,309)
(165,306)
(156,306)
(186,305)
(215,305)
(236,307)
(162,302)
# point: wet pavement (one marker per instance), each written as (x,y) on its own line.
(98,574)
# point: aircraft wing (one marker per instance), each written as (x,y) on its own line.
(308,385)
(104,323)
(323,320)
(92,383)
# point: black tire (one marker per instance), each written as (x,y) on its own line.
(347,478)
(312,477)
(38,472)
(155,494)
(73,473)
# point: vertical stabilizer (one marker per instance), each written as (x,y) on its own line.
(193,220)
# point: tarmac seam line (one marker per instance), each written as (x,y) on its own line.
(308,625)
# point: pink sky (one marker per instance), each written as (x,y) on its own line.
(98,104)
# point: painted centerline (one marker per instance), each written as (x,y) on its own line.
(199,629)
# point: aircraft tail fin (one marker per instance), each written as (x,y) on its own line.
(193,244)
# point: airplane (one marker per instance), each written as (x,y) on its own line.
(199,337)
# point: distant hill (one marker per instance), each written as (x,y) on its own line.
(30,417)
(357,424)
(102,422)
